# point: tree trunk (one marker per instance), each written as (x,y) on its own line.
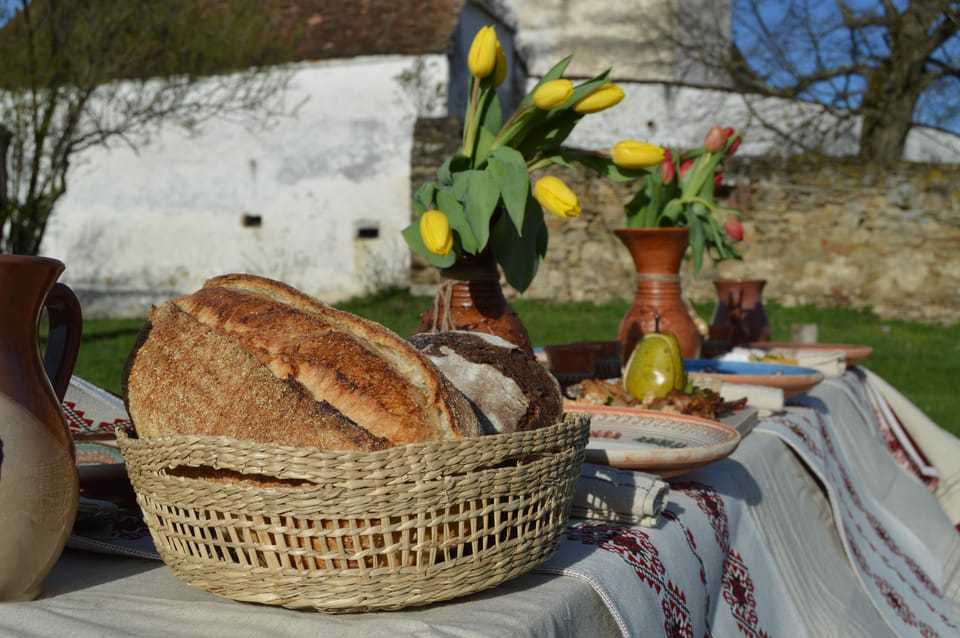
(887,116)
(894,86)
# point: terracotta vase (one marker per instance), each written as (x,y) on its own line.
(39,485)
(740,317)
(471,298)
(657,254)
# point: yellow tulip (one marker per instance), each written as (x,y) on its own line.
(500,72)
(604,97)
(556,197)
(634,154)
(552,94)
(482,57)
(435,232)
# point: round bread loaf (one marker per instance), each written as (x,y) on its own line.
(509,390)
(252,358)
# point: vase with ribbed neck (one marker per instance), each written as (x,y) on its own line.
(657,255)
(471,298)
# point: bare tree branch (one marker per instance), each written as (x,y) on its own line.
(83,74)
(870,64)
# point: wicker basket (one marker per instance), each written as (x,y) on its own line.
(356,531)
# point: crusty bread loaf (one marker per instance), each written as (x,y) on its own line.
(252,358)
(508,389)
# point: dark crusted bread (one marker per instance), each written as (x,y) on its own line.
(252,358)
(509,390)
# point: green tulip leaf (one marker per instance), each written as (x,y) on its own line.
(481,195)
(485,140)
(423,198)
(548,136)
(449,202)
(601,164)
(491,115)
(697,238)
(509,171)
(454,164)
(520,253)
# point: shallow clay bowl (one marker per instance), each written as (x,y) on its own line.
(854,353)
(793,380)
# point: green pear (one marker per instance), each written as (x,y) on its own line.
(655,365)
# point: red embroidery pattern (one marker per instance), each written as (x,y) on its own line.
(79,423)
(635,548)
(737,586)
(676,615)
(630,544)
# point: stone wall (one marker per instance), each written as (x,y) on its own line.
(825,233)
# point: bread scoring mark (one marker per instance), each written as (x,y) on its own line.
(331,364)
(188,378)
(453,414)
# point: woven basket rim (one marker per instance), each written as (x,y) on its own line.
(427,536)
(454,456)
(413,448)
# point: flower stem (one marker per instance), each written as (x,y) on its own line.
(470,126)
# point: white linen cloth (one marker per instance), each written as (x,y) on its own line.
(765,398)
(92,410)
(901,574)
(619,496)
(940,448)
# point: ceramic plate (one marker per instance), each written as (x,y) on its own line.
(793,380)
(91,453)
(854,353)
(656,442)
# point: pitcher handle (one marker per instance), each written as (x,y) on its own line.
(63,342)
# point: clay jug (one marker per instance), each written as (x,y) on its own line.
(740,314)
(657,254)
(39,485)
(471,298)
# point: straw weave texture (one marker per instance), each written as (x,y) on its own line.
(356,531)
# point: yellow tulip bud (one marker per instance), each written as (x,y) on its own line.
(500,72)
(556,197)
(604,97)
(634,154)
(552,94)
(482,57)
(435,232)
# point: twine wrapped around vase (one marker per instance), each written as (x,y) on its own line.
(471,298)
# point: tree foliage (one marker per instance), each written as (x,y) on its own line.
(872,69)
(75,74)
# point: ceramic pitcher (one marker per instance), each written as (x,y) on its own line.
(740,315)
(39,486)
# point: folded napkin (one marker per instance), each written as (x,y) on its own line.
(763,398)
(832,363)
(619,496)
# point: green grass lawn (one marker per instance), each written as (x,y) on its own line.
(920,360)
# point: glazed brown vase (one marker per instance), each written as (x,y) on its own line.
(471,298)
(657,254)
(740,316)
(39,485)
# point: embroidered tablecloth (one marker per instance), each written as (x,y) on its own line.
(793,535)
(740,589)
